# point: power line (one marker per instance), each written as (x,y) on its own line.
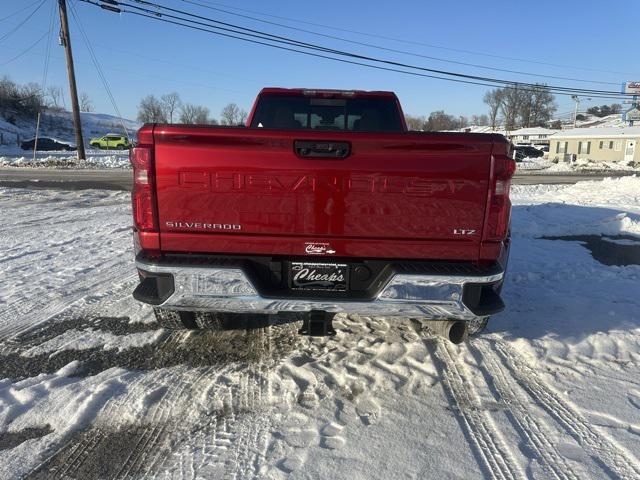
(45,71)
(47,57)
(286,40)
(149,75)
(18,11)
(234,30)
(96,63)
(404,52)
(412,42)
(377,67)
(351,62)
(17,27)
(26,50)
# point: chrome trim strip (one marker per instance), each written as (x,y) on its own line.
(229,290)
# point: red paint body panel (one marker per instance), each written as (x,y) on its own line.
(397,195)
(295,246)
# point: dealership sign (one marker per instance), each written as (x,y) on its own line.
(632,87)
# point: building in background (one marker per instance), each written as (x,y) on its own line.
(608,144)
(531,136)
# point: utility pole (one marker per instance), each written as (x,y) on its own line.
(65,39)
(576,99)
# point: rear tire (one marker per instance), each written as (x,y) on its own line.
(173,320)
(476,327)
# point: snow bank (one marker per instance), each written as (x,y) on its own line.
(580,165)
(578,209)
(66,160)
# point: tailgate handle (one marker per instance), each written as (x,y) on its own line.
(322,149)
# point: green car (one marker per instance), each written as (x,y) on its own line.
(111,141)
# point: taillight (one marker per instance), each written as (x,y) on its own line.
(498,203)
(143,193)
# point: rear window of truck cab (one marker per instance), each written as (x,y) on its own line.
(285,112)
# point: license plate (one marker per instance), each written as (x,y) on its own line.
(319,276)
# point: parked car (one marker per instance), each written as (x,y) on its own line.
(324,203)
(542,148)
(47,144)
(110,141)
(526,151)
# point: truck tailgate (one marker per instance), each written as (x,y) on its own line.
(228,190)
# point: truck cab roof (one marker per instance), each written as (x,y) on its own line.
(327,93)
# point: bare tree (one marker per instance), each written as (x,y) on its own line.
(493,99)
(230,115)
(242,117)
(30,99)
(194,114)
(55,97)
(187,113)
(201,115)
(9,95)
(151,110)
(416,123)
(541,106)
(526,107)
(19,100)
(511,107)
(439,120)
(170,102)
(86,105)
(480,120)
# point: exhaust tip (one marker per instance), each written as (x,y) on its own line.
(457,332)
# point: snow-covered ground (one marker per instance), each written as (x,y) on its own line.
(581,165)
(15,157)
(589,121)
(93,388)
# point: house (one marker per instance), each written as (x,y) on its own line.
(531,136)
(611,144)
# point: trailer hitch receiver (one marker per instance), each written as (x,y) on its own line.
(317,323)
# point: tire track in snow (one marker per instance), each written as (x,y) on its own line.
(491,450)
(231,444)
(95,306)
(34,312)
(37,310)
(81,251)
(253,439)
(220,409)
(612,457)
(70,457)
(534,432)
(147,443)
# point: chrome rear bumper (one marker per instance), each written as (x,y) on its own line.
(219,289)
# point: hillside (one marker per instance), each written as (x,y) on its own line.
(590,121)
(60,125)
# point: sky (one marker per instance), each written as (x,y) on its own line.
(584,40)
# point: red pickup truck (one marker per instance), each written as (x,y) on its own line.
(322,203)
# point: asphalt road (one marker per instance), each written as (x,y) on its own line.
(121,179)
